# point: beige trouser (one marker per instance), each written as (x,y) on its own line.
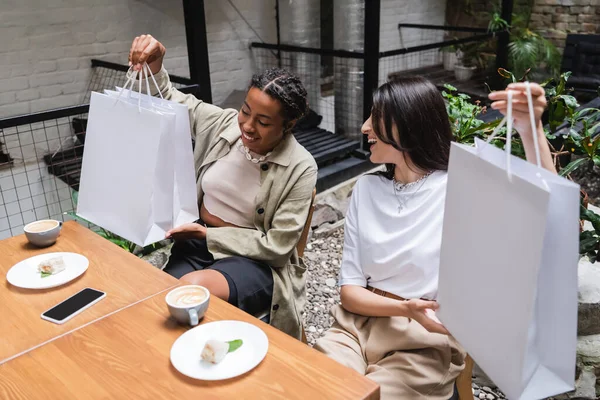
(406,360)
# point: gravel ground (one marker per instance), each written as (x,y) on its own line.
(323,257)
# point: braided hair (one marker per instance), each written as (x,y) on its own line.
(285,87)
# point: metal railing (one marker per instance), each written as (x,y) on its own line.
(40,160)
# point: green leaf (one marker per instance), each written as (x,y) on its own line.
(507,74)
(572,166)
(74,197)
(234,345)
(581,113)
(570,102)
(589,215)
(587,243)
(46,274)
(557,114)
(450,87)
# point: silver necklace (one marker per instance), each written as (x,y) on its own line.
(249,156)
(399,186)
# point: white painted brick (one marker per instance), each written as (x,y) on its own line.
(51,91)
(45,66)
(7,98)
(21,70)
(55,102)
(54,53)
(106,36)
(84,38)
(51,78)
(121,47)
(15,44)
(77,87)
(50,40)
(14,84)
(68,64)
(29,94)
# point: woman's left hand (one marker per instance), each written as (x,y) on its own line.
(187,231)
(520,109)
(423,311)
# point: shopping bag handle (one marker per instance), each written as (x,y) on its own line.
(146,68)
(508,120)
(129,86)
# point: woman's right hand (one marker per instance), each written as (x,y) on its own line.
(147,49)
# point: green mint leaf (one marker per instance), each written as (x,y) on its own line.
(46,274)
(234,345)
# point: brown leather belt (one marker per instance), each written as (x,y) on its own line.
(385,294)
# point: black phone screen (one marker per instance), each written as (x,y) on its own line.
(73,304)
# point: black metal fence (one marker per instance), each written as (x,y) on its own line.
(339,99)
(41,156)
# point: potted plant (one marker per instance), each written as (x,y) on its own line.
(450,55)
(465,66)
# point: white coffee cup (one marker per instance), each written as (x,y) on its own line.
(43,233)
(188,304)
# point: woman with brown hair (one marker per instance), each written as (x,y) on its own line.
(385,327)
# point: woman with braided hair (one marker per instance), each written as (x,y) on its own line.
(254,184)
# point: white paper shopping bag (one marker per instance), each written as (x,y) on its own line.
(185,200)
(508,269)
(127,176)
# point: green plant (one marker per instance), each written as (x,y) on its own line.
(528,49)
(582,138)
(466,124)
(119,241)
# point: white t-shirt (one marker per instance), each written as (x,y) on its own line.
(398,252)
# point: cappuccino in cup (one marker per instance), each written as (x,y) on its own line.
(43,233)
(188,296)
(42,226)
(188,304)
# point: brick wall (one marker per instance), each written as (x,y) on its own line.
(46,45)
(556,18)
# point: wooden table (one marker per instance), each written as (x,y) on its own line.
(127,356)
(124,277)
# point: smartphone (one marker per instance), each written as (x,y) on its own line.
(62,312)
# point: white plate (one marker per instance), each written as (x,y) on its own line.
(25,274)
(185,353)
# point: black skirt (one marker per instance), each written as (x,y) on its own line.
(250,281)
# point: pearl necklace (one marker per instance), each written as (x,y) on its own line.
(249,156)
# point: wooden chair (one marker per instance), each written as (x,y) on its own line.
(464,381)
(304,238)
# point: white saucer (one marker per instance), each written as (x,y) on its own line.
(25,274)
(185,353)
